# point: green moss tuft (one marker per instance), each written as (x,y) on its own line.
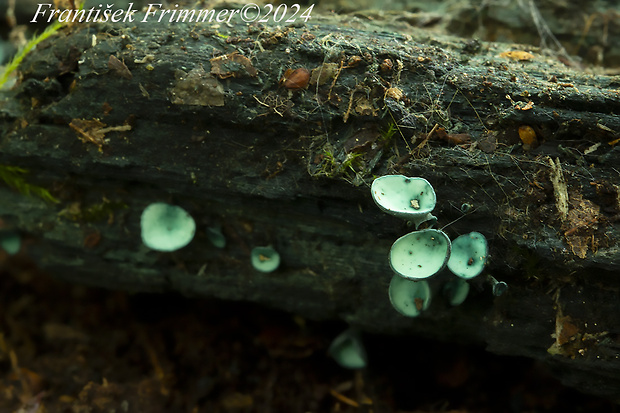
(13,176)
(17,59)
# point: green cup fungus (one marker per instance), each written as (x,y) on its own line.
(456,290)
(265,259)
(423,253)
(348,350)
(10,241)
(420,254)
(469,255)
(166,227)
(412,199)
(409,297)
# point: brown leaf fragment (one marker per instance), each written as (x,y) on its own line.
(362,140)
(118,67)
(89,131)
(232,65)
(197,88)
(94,130)
(451,138)
(69,62)
(578,245)
(581,224)
(566,330)
(296,79)
(487,144)
(365,107)
(322,74)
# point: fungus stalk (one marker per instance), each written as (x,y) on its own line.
(499,287)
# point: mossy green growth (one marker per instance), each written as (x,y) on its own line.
(331,167)
(21,54)
(343,165)
(13,176)
(387,134)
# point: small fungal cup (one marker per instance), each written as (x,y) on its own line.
(166,227)
(10,241)
(265,259)
(469,255)
(409,297)
(456,290)
(420,254)
(348,350)
(412,199)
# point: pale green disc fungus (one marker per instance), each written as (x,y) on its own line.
(265,259)
(456,290)
(10,241)
(420,254)
(469,255)
(409,297)
(348,350)
(412,199)
(166,227)
(214,234)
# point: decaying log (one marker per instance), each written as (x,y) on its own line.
(110,118)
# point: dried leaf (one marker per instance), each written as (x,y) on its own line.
(118,67)
(197,88)
(89,131)
(94,130)
(232,65)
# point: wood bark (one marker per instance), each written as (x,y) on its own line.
(198,117)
